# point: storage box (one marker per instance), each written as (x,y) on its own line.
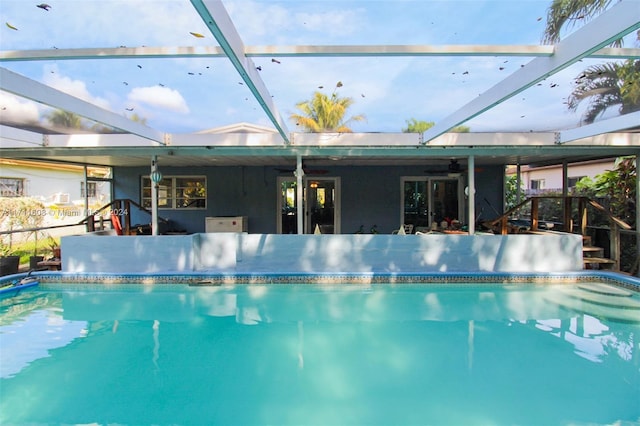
(226,224)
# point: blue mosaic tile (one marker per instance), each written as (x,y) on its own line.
(101,279)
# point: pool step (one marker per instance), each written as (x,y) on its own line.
(606,289)
(593,257)
(599,300)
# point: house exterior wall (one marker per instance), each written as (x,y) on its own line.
(552,175)
(44,183)
(369,195)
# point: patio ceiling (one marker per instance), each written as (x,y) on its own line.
(251,61)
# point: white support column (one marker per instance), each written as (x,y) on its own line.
(472,194)
(154,196)
(299,194)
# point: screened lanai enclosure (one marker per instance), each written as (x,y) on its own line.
(195,106)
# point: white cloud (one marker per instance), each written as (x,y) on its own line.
(159,97)
(17,110)
(75,88)
(278,24)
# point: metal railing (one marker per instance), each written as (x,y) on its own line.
(96,220)
(568,224)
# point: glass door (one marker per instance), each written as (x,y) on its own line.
(287,206)
(428,201)
(445,203)
(321,202)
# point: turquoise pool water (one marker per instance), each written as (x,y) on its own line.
(455,354)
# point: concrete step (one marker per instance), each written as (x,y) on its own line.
(606,289)
(606,300)
(615,308)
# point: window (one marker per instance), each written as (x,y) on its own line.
(91,190)
(537,183)
(11,187)
(177,192)
(572,181)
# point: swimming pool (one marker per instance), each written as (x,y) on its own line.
(216,353)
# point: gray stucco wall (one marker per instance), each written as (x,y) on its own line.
(369,195)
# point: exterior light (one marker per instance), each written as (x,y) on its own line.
(156,176)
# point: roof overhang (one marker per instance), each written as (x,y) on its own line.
(247,149)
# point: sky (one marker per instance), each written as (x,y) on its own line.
(184,95)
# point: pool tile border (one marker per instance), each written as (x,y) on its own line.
(212,279)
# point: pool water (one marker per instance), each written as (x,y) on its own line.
(317,355)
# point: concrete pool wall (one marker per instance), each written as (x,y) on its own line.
(242,252)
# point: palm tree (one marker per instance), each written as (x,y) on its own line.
(65,119)
(563,13)
(605,86)
(419,126)
(325,113)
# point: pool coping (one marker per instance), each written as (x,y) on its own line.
(204,279)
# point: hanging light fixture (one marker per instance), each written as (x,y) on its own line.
(156,176)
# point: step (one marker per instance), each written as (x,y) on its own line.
(606,289)
(598,260)
(606,300)
(592,249)
(599,310)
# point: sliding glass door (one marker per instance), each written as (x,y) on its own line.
(430,200)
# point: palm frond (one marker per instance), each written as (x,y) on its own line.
(323,113)
(568,13)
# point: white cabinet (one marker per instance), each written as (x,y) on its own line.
(226,224)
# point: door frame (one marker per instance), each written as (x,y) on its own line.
(305,182)
(429,179)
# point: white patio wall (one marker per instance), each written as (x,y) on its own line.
(267,253)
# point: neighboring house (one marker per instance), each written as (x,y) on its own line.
(63,188)
(239,128)
(537,180)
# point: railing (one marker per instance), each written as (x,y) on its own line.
(120,207)
(501,224)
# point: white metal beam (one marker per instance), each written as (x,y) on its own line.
(612,25)
(615,124)
(11,137)
(303,51)
(36,91)
(219,22)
